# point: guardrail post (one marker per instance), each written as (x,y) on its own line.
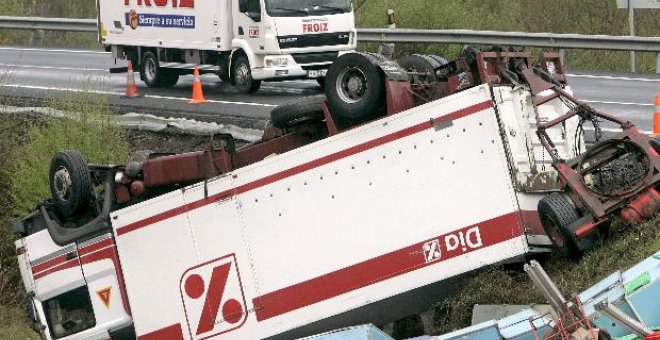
(37,38)
(631,23)
(385,49)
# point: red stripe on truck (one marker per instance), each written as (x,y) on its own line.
(73,263)
(54,262)
(305,167)
(173,332)
(379,269)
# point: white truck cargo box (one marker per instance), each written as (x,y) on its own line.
(340,225)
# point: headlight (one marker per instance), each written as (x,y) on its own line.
(277,62)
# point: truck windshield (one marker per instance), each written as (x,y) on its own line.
(297,8)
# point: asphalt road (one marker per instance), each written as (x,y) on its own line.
(41,73)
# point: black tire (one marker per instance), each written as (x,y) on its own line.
(557,214)
(241,76)
(438,59)
(150,71)
(287,115)
(169,78)
(224,77)
(420,64)
(70,183)
(355,89)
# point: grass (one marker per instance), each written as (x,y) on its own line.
(91,131)
(14,324)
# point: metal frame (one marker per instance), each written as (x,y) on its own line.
(640,199)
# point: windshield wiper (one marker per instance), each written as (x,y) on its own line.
(334,8)
(295,10)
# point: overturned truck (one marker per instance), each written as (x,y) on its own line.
(362,207)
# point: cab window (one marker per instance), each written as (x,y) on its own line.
(69,313)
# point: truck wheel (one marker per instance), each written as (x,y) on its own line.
(150,72)
(242,76)
(557,213)
(438,59)
(287,115)
(420,64)
(169,78)
(355,88)
(70,182)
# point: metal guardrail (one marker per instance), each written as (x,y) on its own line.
(546,40)
(48,24)
(543,40)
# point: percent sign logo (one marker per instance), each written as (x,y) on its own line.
(213,298)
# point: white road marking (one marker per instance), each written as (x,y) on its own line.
(590,76)
(614,103)
(54,68)
(47,88)
(51,50)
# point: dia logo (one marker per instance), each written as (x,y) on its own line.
(432,251)
(213,298)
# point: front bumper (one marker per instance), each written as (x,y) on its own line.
(297,66)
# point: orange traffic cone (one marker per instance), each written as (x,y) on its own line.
(131,88)
(656,117)
(198,94)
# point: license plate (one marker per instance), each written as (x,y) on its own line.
(317,73)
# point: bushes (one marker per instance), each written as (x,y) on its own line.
(90,130)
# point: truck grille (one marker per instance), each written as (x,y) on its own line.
(314,40)
(315,58)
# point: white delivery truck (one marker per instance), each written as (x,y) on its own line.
(243,41)
(317,227)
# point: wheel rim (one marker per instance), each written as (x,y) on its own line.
(351,85)
(242,75)
(62,183)
(150,69)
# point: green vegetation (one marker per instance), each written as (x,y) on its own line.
(91,131)
(13,324)
(26,146)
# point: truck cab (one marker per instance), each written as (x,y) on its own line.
(244,42)
(293,39)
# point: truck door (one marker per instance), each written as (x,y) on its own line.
(60,296)
(100,266)
(248,15)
